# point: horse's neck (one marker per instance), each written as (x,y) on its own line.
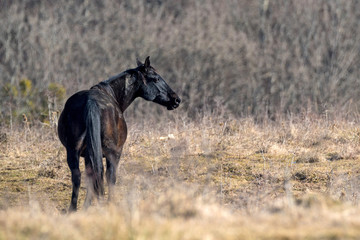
(124,89)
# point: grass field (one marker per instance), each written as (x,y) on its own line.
(214,178)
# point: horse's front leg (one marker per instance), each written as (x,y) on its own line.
(112,162)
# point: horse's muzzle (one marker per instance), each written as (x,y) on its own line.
(174,104)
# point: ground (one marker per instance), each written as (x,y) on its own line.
(214,178)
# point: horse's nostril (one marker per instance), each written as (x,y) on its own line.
(177,100)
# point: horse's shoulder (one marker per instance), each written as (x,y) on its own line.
(104,100)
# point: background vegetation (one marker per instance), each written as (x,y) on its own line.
(256,58)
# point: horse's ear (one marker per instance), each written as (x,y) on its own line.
(147,62)
(138,62)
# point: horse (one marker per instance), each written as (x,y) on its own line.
(92,125)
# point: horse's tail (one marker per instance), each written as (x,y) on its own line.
(93,145)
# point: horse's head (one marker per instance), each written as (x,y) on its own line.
(154,88)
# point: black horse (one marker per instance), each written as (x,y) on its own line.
(92,124)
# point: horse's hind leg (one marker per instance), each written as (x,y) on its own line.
(89,184)
(73,162)
(112,161)
(95,185)
(110,177)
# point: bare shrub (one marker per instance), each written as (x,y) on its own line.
(263,58)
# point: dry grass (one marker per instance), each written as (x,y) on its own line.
(215,178)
